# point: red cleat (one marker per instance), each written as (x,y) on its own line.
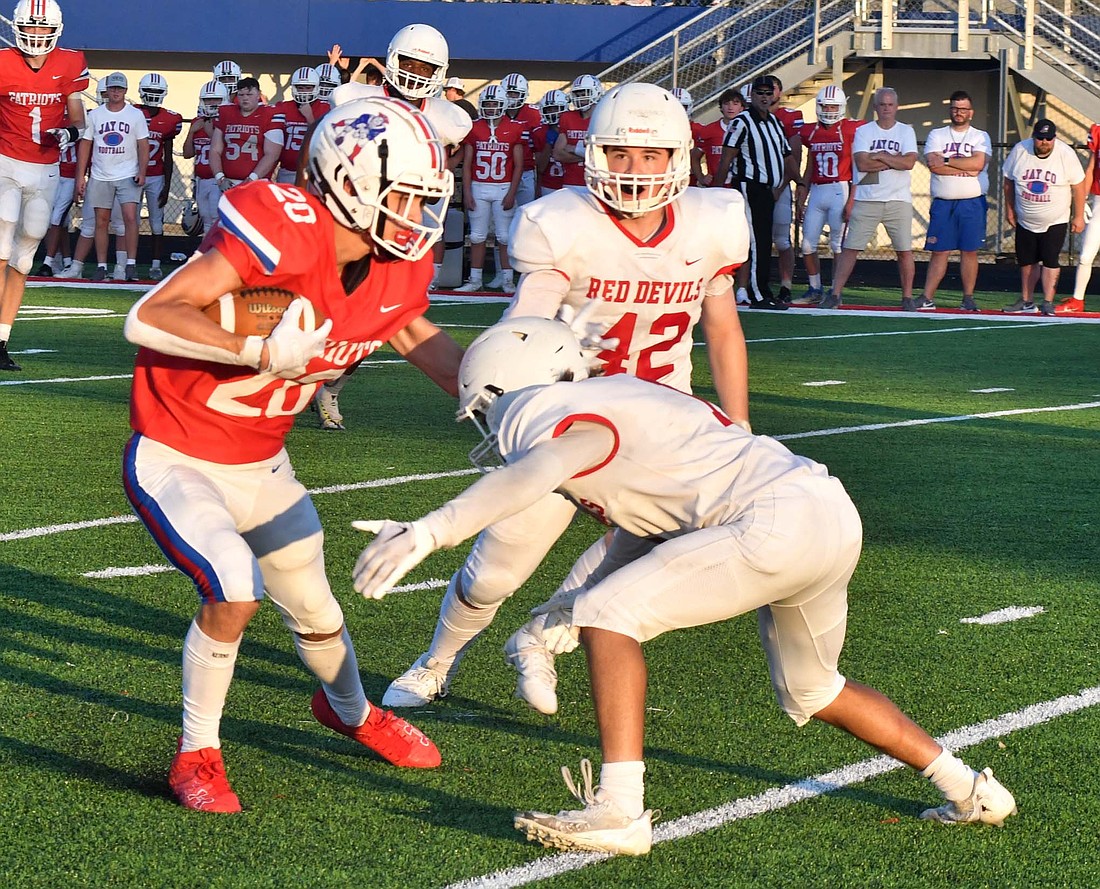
(1070,306)
(390,736)
(198,780)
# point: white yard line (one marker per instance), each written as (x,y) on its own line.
(1005,615)
(780,797)
(65,380)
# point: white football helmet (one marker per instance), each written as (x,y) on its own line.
(367,149)
(640,115)
(153,89)
(491,103)
(212,95)
(685,99)
(832,105)
(328,78)
(584,92)
(304,84)
(190,220)
(228,72)
(425,44)
(552,105)
(101,91)
(515,91)
(36,14)
(511,355)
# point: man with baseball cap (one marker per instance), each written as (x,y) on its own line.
(454,90)
(1044,194)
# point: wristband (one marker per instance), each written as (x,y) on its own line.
(219,176)
(252,351)
(252,177)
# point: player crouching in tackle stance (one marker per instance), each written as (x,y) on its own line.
(710,522)
(206,470)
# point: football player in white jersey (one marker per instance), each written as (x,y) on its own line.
(647,259)
(711,522)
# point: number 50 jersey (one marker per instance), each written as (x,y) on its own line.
(649,294)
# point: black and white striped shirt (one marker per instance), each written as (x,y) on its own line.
(761,146)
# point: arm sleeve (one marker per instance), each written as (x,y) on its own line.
(540,294)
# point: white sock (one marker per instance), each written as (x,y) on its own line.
(475,275)
(77,265)
(506,276)
(742,295)
(5,333)
(207,672)
(333,662)
(954,778)
(156,264)
(334,386)
(459,624)
(624,783)
(120,257)
(815,281)
(437,268)
(130,262)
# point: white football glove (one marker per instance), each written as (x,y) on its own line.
(558,634)
(289,348)
(1087,210)
(590,334)
(225,183)
(62,135)
(395,551)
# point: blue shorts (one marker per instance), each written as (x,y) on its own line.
(956,225)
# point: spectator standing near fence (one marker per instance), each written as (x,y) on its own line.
(164,126)
(1044,195)
(958,158)
(883,154)
(1090,241)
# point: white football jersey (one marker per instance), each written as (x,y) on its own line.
(649,294)
(678,463)
(451,123)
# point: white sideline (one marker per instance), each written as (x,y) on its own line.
(781,797)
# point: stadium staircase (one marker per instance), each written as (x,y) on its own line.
(809,43)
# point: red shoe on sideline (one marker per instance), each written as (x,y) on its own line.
(390,736)
(1070,306)
(198,781)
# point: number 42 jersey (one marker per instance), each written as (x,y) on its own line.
(649,294)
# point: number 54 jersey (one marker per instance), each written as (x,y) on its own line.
(273,236)
(649,294)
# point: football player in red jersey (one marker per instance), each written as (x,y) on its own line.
(684,98)
(710,137)
(164,126)
(792,121)
(212,95)
(492,165)
(822,193)
(58,249)
(584,93)
(206,470)
(551,173)
(534,134)
(295,116)
(41,83)
(247,140)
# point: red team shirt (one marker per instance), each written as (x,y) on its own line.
(553,177)
(164,126)
(32,102)
(792,121)
(1094,147)
(830,150)
(709,141)
(202,143)
(289,117)
(574,128)
(534,134)
(696,132)
(493,161)
(244,137)
(274,236)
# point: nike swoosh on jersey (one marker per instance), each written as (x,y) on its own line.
(693,261)
(385,309)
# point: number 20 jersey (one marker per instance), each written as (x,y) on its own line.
(274,236)
(649,294)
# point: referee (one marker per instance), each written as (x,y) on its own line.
(757,148)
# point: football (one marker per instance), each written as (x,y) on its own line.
(254,311)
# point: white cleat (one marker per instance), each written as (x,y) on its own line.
(496,283)
(119,273)
(509,286)
(537,683)
(424,682)
(470,287)
(71,271)
(328,409)
(990,803)
(601,826)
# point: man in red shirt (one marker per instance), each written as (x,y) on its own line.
(247,140)
(41,83)
(206,470)
(212,95)
(295,116)
(164,126)
(584,93)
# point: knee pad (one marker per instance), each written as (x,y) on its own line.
(35,224)
(781,236)
(487,585)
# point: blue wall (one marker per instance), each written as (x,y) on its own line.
(534,32)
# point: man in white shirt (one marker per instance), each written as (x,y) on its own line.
(1044,186)
(116,145)
(958,157)
(883,154)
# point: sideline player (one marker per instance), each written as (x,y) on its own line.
(33,130)
(212,95)
(821,197)
(551,174)
(569,149)
(1090,240)
(710,521)
(164,126)
(206,470)
(247,139)
(646,258)
(295,115)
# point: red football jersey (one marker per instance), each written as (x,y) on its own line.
(554,175)
(164,126)
(830,150)
(696,132)
(574,128)
(493,161)
(244,137)
(294,125)
(534,133)
(1094,147)
(709,141)
(67,163)
(201,141)
(274,236)
(791,119)
(32,102)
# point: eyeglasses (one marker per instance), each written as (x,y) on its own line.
(767,92)
(955,108)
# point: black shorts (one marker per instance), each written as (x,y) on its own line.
(1042,247)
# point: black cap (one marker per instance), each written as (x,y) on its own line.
(762,83)
(1044,129)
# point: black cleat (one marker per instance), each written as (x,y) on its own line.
(5,359)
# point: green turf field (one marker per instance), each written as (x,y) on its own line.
(994,509)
